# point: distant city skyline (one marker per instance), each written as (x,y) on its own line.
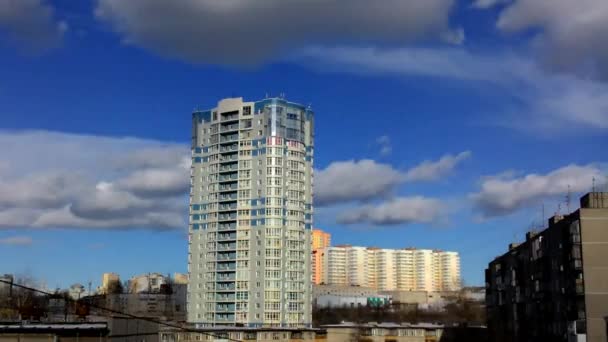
(442,124)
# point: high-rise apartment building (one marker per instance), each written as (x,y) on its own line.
(391,269)
(554,285)
(251,214)
(320,240)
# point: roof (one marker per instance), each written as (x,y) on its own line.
(192,328)
(57,328)
(386,325)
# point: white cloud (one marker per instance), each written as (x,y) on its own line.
(346,181)
(245,31)
(30,24)
(16,241)
(484,4)
(386,148)
(364,180)
(432,170)
(504,194)
(545,103)
(570,33)
(85,182)
(400,210)
(157,182)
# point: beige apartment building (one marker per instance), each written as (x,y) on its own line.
(320,240)
(107,279)
(383,269)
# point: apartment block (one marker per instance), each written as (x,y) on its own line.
(251,213)
(107,281)
(391,269)
(320,240)
(554,285)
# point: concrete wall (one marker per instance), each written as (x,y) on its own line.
(48,338)
(594,235)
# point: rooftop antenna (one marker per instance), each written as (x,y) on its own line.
(593,184)
(544,220)
(267,95)
(568,199)
(559,209)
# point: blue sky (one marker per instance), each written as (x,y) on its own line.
(461,119)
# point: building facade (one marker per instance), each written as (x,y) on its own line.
(251,214)
(222,334)
(107,281)
(320,240)
(147,283)
(554,285)
(390,269)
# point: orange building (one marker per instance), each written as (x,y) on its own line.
(320,240)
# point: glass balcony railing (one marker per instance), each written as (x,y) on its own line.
(227,197)
(230,117)
(225,297)
(230,206)
(227,226)
(229,148)
(229,138)
(226,237)
(228,277)
(228,128)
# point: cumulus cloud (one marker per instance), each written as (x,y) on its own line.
(245,31)
(157,182)
(505,193)
(92,182)
(16,241)
(432,170)
(364,180)
(545,102)
(570,33)
(30,24)
(400,210)
(346,181)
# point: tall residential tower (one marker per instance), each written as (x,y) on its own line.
(251,214)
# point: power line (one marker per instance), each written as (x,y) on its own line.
(119,312)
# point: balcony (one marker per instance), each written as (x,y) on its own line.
(229,116)
(227,226)
(227,247)
(224,207)
(230,128)
(229,177)
(226,277)
(230,266)
(229,148)
(226,256)
(229,138)
(224,318)
(228,197)
(229,167)
(227,217)
(228,158)
(225,297)
(225,287)
(226,237)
